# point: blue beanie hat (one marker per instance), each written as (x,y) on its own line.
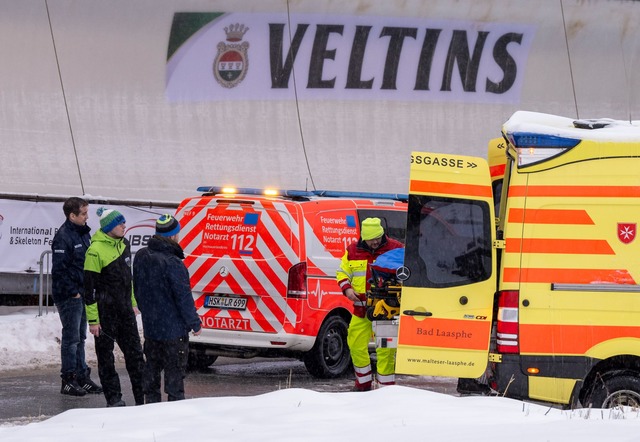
(109,218)
(167,225)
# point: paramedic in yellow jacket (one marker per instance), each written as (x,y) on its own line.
(353,277)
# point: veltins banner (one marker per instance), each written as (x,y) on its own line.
(244,56)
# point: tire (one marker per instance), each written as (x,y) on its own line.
(329,358)
(199,361)
(369,314)
(618,390)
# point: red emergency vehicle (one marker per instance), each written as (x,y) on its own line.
(263,270)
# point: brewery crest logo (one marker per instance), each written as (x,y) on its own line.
(232,62)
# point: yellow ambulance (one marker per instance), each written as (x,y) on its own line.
(553,276)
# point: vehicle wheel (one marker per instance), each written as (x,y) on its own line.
(369,314)
(621,390)
(329,357)
(199,361)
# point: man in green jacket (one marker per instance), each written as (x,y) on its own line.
(110,304)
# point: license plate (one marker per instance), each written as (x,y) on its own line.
(225,302)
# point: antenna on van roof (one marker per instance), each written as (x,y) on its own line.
(566,41)
(626,79)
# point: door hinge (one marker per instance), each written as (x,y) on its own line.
(495,357)
(499,244)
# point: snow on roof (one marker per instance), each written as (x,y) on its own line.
(600,129)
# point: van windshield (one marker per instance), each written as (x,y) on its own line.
(453,244)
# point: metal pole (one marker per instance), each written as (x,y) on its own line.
(48,278)
(41,293)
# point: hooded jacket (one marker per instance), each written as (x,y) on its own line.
(69,247)
(107,277)
(163,291)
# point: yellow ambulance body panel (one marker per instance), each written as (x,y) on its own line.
(567,305)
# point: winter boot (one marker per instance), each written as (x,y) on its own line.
(70,385)
(470,387)
(118,403)
(87,384)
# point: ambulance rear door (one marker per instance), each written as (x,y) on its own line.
(447,300)
(238,252)
(497,154)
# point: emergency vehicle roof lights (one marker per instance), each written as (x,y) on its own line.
(302,193)
(535,148)
(373,195)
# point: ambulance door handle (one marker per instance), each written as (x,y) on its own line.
(415,313)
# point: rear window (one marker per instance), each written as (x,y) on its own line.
(451,242)
(393,221)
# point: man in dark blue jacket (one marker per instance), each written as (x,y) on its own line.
(163,292)
(69,247)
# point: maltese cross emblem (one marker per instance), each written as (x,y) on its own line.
(626,232)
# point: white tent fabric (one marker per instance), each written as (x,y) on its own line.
(85,111)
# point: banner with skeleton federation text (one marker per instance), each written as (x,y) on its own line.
(27,229)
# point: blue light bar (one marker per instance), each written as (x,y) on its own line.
(305,193)
(372,195)
(532,139)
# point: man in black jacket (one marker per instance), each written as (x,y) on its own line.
(163,293)
(69,246)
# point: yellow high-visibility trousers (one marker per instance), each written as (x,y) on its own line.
(358,337)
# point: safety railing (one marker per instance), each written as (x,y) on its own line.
(44,291)
(45,278)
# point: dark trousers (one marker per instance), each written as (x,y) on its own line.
(74,332)
(124,331)
(170,357)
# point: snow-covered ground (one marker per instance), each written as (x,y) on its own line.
(387,414)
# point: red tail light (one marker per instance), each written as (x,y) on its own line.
(507,328)
(297,284)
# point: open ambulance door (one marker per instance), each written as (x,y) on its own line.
(447,300)
(497,154)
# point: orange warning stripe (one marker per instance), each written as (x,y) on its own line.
(268,301)
(576,191)
(187,236)
(552,245)
(196,276)
(445,333)
(561,339)
(567,276)
(549,216)
(450,188)
(281,224)
(235,287)
(293,211)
